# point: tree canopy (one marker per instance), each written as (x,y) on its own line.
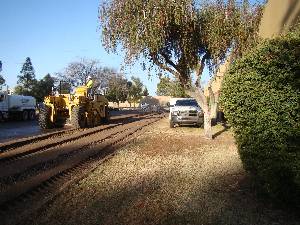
(179,36)
(77,72)
(2,80)
(43,87)
(169,87)
(135,91)
(117,88)
(27,75)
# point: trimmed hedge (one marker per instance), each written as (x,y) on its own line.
(261,98)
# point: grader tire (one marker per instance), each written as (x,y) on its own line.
(44,118)
(78,119)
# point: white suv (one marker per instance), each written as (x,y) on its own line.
(185,111)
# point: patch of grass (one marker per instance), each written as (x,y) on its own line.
(168,176)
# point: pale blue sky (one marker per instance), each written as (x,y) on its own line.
(53,33)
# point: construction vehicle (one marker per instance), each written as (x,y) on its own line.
(17,107)
(80,110)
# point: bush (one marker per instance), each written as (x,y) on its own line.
(261,98)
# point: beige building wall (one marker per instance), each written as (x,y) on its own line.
(151,100)
(217,82)
(278,16)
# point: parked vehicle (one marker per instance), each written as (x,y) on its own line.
(185,111)
(17,107)
(80,109)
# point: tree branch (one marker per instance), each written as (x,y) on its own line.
(164,66)
(169,61)
(200,70)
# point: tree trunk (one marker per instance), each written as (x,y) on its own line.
(201,99)
(214,100)
(207,126)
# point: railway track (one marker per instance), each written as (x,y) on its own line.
(41,170)
(7,146)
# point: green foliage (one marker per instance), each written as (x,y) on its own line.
(27,76)
(43,87)
(38,88)
(117,88)
(2,80)
(261,99)
(145,92)
(135,91)
(176,35)
(168,87)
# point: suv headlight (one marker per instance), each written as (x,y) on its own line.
(200,113)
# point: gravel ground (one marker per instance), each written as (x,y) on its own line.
(168,176)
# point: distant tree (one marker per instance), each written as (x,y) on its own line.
(145,92)
(117,90)
(2,81)
(135,91)
(77,72)
(102,77)
(168,87)
(26,79)
(61,85)
(20,90)
(43,87)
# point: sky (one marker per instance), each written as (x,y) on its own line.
(54,33)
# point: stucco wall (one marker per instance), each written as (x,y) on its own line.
(278,16)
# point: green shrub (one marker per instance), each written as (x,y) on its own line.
(261,98)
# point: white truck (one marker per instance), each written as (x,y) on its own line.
(185,111)
(17,107)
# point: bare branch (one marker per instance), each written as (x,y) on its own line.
(164,66)
(169,61)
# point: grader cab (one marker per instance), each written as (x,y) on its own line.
(79,109)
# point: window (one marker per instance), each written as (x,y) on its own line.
(187,102)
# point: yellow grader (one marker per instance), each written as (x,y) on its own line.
(80,109)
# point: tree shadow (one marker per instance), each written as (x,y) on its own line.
(219,199)
(225,128)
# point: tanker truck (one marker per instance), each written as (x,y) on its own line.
(17,107)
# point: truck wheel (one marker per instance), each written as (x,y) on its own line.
(25,115)
(78,118)
(31,115)
(44,118)
(199,125)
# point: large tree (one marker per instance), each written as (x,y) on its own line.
(43,87)
(180,37)
(117,90)
(26,78)
(135,91)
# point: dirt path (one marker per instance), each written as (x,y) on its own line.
(168,176)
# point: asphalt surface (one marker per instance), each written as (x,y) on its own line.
(10,130)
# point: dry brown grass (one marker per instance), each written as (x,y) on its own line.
(168,176)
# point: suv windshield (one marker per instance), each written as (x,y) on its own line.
(188,102)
